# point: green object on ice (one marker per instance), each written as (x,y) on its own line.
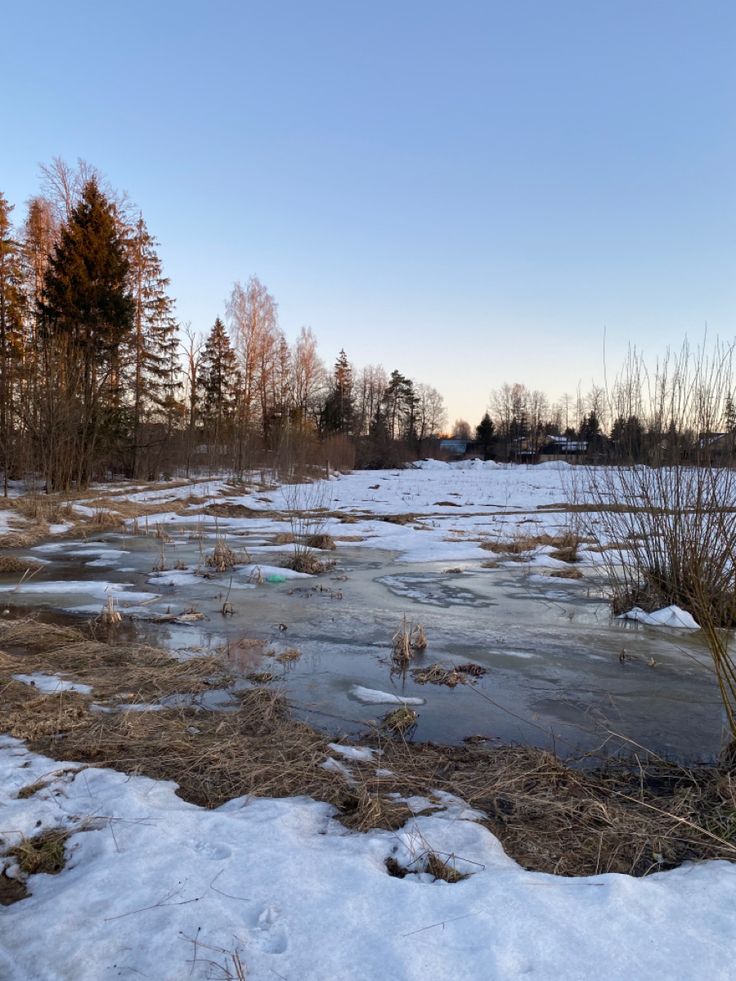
(275,577)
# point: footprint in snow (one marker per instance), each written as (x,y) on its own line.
(211,851)
(268,934)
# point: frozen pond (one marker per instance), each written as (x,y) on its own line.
(559,671)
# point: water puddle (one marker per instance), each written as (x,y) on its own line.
(559,672)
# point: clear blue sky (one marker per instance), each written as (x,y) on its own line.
(465,191)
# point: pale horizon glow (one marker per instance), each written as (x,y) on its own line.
(471,194)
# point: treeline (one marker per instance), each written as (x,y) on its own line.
(680,410)
(98,378)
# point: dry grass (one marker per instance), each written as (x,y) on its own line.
(222,557)
(43,853)
(565,546)
(399,721)
(305,561)
(289,656)
(127,673)
(407,641)
(436,674)
(12,565)
(325,543)
(565,574)
(43,509)
(442,868)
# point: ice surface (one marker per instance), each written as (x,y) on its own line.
(47,683)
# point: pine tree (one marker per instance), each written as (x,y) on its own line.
(88,320)
(218,382)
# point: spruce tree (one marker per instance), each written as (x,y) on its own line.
(485,434)
(11,332)
(339,407)
(153,362)
(88,320)
(218,381)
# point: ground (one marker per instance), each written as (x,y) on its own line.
(155,886)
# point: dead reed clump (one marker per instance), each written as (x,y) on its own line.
(284,538)
(289,656)
(105,520)
(222,557)
(436,674)
(44,510)
(305,561)
(442,868)
(400,721)
(363,811)
(109,616)
(325,543)
(32,634)
(43,853)
(12,565)
(408,640)
(566,574)
(261,677)
(25,536)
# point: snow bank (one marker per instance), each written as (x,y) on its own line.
(158,888)
(668,616)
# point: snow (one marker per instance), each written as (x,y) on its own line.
(159,888)
(668,616)
(372,696)
(361,753)
(102,589)
(51,683)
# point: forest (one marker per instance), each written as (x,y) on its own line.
(99,379)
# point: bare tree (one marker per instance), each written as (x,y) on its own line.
(252,318)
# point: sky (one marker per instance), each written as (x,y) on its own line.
(473,193)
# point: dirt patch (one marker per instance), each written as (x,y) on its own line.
(11,890)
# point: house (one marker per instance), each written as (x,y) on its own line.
(454,447)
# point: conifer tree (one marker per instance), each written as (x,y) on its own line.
(88,320)
(485,434)
(154,341)
(338,410)
(11,332)
(218,383)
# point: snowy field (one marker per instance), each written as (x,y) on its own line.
(158,888)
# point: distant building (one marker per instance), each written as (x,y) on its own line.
(454,447)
